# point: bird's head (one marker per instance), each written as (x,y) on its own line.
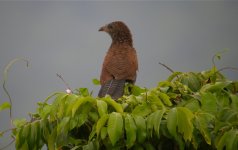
(118,31)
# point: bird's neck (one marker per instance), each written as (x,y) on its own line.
(122,38)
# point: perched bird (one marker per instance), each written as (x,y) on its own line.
(120,63)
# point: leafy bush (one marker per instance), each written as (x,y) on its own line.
(186,111)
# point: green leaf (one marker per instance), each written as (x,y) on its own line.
(57,94)
(25,146)
(80,120)
(130,131)
(70,103)
(1,134)
(51,140)
(131,100)
(5,105)
(93,116)
(202,122)
(115,127)
(60,97)
(101,123)
(26,132)
(51,143)
(19,140)
(19,122)
(45,127)
(45,111)
(102,107)
(234,101)
(165,98)
(157,117)
(164,85)
(164,129)
(153,98)
(84,92)
(138,147)
(191,80)
(35,137)
(92,134)
(141,128)
(215,87)
(136,90)
(153,122)
(39,136)
(76,148)
(228,115)
(89,146)
(142,110)
(60,106)
(173,75)
(193,105)
(114,104)
(96,81)
(149,146)
(79,102)
(229,140)
(103,133)
(149,125)
(223,100)
(209,102)
(63,126)
(180,118)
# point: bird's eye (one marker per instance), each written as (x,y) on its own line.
(110,26)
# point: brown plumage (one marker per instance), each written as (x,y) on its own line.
(120,63)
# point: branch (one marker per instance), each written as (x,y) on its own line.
(166,67)
(66,84)
(227,68)
(218,56)
(7,130)
(213,59)
(5,76)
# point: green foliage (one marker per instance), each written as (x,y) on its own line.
(5,105)
(186,111)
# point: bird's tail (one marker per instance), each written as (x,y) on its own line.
(114,88)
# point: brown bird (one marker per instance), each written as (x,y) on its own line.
(120,63)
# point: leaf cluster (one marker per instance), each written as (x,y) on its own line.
(186,111)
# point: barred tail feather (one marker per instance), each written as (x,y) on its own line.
(114,88)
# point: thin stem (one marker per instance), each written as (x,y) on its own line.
(227,68)
(213,60)
(66,84)
(7,130)
(166,67)
(10,99)
(5,75)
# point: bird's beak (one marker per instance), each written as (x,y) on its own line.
(102,28)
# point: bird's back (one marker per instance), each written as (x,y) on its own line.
(121,63)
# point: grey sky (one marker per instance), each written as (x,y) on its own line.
(63,37)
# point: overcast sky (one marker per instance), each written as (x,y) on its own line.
(63,37)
